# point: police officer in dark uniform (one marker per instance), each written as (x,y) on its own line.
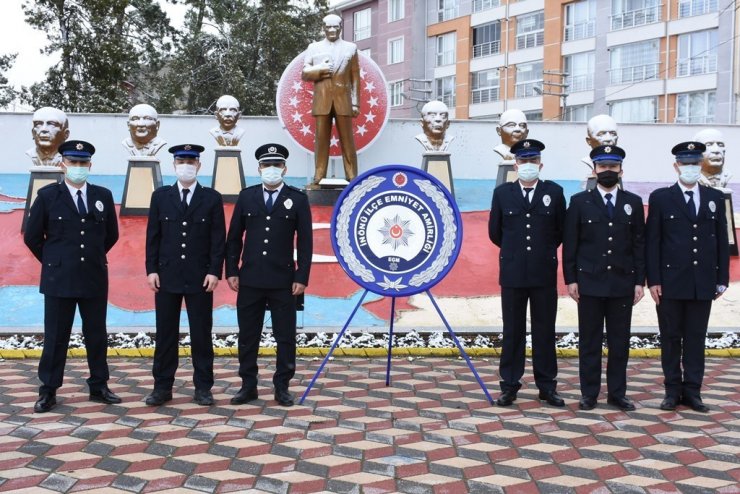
(688,263)
(526,222)
(604,268)
(71,227)
(185,241)
(275,217)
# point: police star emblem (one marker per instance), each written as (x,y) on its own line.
(188,147)
(272,149)
(608,149)
(691,147)
(526,144)
(79,146)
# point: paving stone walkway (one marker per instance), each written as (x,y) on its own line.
(431,431)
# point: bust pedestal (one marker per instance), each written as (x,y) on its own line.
(437,164)
(731,233)
(142,178)
(40,177)
(506,172)
(228,174)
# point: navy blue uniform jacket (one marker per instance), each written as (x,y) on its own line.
(266,250)
(72,249)
(185,246)
(528,235)
(606,257)
(687,258)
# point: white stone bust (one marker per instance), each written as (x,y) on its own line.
(435,121)
(50,129)
(713,173)
(143,126)
(601,130)
(512,128)
(227,133)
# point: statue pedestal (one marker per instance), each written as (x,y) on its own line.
(506,172)
(228,174)
(731,234)
(437,164)
(40,177)
(326,193)
(142,178)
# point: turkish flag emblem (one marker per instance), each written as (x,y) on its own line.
(295,99)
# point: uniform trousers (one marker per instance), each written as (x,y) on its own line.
(593,312)
(346,139)
(683,331)
(542,309)
(250,313)
(59,313)
(200,315)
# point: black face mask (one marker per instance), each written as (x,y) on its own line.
(608,178)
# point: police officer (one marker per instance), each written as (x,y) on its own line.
(275,217)
(185,238)
(688,262)
(526,222)
(604,269)
(71,227)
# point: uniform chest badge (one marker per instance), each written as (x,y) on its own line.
(288,203)
(712,206)
(628,209)
(99,206)
(546,199)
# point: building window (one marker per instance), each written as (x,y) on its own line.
(640,110)
(687,8)
(528,76)
(447,9)
(366,52)
(445,90)
(695,107)
(580,20)
(697,53)
(487,39)
(362,24)
(530,30)
(479,5)
(396,93)
(580,70)
(446,49)
(395,50)
(395,10)
(635,62)
(533,116)
(486,84)
(580,113)
(632,13)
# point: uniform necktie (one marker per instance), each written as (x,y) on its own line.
(692,206)
(269,202)
(527,192)
(81,204)
(609,205)
(185,193)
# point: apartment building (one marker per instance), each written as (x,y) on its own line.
(638,60)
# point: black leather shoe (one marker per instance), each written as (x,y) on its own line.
(105,395)
(669,403)
(158,397)
(283,397)
(695,404)
(587,403)
(203,397)
(506,398)
(552,398)
(244,395)
(622,403)
(45,403)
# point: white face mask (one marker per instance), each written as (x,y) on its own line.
(689,174)
(528,171)
(186,173)
(272,175)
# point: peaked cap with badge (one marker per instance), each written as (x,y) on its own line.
(186,150)
(607,153)
(689,152)
(271,152)
(527,148)
(77,150)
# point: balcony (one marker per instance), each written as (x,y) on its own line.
(637,73)
(530,40)
(581,82)
(526,89)
(485,95)
(697,66)
(481,5)
(486,49)
(636,18)
(581,30)
(696,7)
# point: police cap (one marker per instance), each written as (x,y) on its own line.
(186,150)
(607,153)
(527,148)
(77,150)
(689,151)
(271,152)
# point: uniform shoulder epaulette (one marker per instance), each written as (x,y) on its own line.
(296,189)
(163,188)
(48,186)
(252,186)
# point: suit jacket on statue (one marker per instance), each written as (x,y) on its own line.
(529,235)
(185,246)
(342,89)
(266,252)
(72,249)
(605,256)
(688,258)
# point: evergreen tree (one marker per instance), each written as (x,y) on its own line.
(7,93)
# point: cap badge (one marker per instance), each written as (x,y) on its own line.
(628,209)
(608,149)
(546,199)
(691,147)
(272,149)
(188,147)
(526,144)
(712,206)
(79,146)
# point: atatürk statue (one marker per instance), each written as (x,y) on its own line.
(712,168)
(333,66)
(143,125)
(227,113)
(601,130)
(434,121)
(50,129)
(512,127)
